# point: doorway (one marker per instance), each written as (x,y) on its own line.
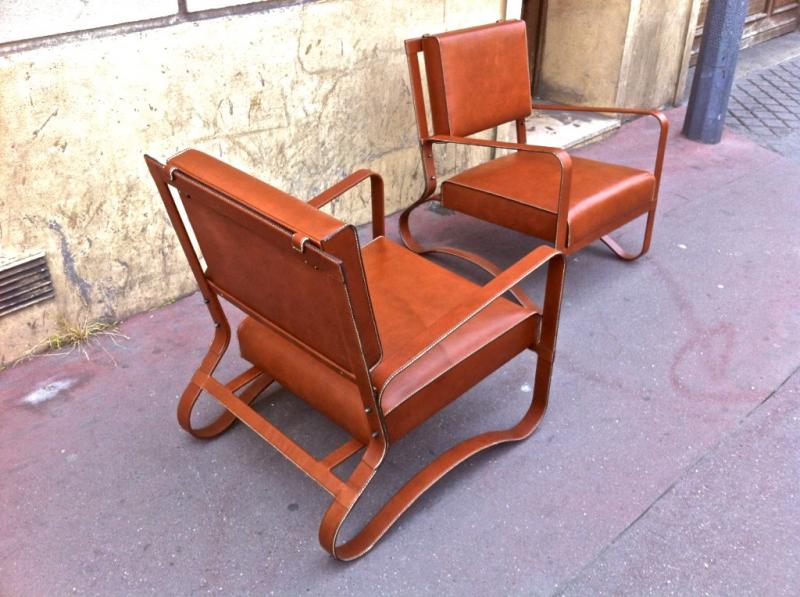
(534,13)
(765,19)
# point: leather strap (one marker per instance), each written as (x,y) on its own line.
(459,316)
(238,408)
(259,382)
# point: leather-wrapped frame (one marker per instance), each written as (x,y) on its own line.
(186,174)
(560,162)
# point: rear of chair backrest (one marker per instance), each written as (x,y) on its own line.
(478,78)
(292,267)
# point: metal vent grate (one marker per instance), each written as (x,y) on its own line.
(24,281)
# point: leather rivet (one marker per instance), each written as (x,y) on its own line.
(375,434)
(368,410)
(433,177)
(216,325)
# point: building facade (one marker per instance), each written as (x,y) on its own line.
(297,92)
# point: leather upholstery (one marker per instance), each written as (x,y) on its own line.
(247,254)
(304,375)
(408,293)
(520,191)
(296,274)
(478,78)
(288,211)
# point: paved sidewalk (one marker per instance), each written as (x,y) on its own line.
(718,528)
(765,106)
(667,463)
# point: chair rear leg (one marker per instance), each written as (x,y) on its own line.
(423,480)
(412,244)
(622,253)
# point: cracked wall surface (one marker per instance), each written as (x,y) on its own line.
(299,95)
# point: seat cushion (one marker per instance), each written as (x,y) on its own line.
(520,191)
(409,293)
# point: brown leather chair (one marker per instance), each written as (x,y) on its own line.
(377,338)
(479,78)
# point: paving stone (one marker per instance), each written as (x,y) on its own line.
(765,106)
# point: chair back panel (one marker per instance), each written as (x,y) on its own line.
(249,234)
(478,78)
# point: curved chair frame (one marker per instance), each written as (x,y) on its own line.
(560,158)
(347,492)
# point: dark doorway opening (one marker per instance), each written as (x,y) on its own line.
(534,13)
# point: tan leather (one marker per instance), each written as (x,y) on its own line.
(428,292)
(282,208)
(305,376)
(245,255)
(478,78)
(378,339)
(520,191)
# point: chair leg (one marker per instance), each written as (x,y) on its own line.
(411,243)
(423,480)
(258,382)
(622,253)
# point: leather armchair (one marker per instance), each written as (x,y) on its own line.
(479,78)
(376,338)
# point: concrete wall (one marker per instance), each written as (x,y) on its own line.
(617,52)
(299,93)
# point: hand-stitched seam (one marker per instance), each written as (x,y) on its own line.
(498,195)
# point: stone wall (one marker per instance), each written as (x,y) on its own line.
(617,52)
(298,93)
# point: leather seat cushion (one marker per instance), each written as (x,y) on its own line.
(408,293)
(520,191)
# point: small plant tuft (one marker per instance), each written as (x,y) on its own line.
(76,336)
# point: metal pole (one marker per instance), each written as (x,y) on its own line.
(716,66)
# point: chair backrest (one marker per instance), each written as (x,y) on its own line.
(478,78)
(284,262)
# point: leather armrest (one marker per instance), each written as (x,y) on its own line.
(611,110)
(560,156)
(480,300)
(347,183)
(663,123)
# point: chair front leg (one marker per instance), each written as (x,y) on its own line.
(344,502)
(648,233)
